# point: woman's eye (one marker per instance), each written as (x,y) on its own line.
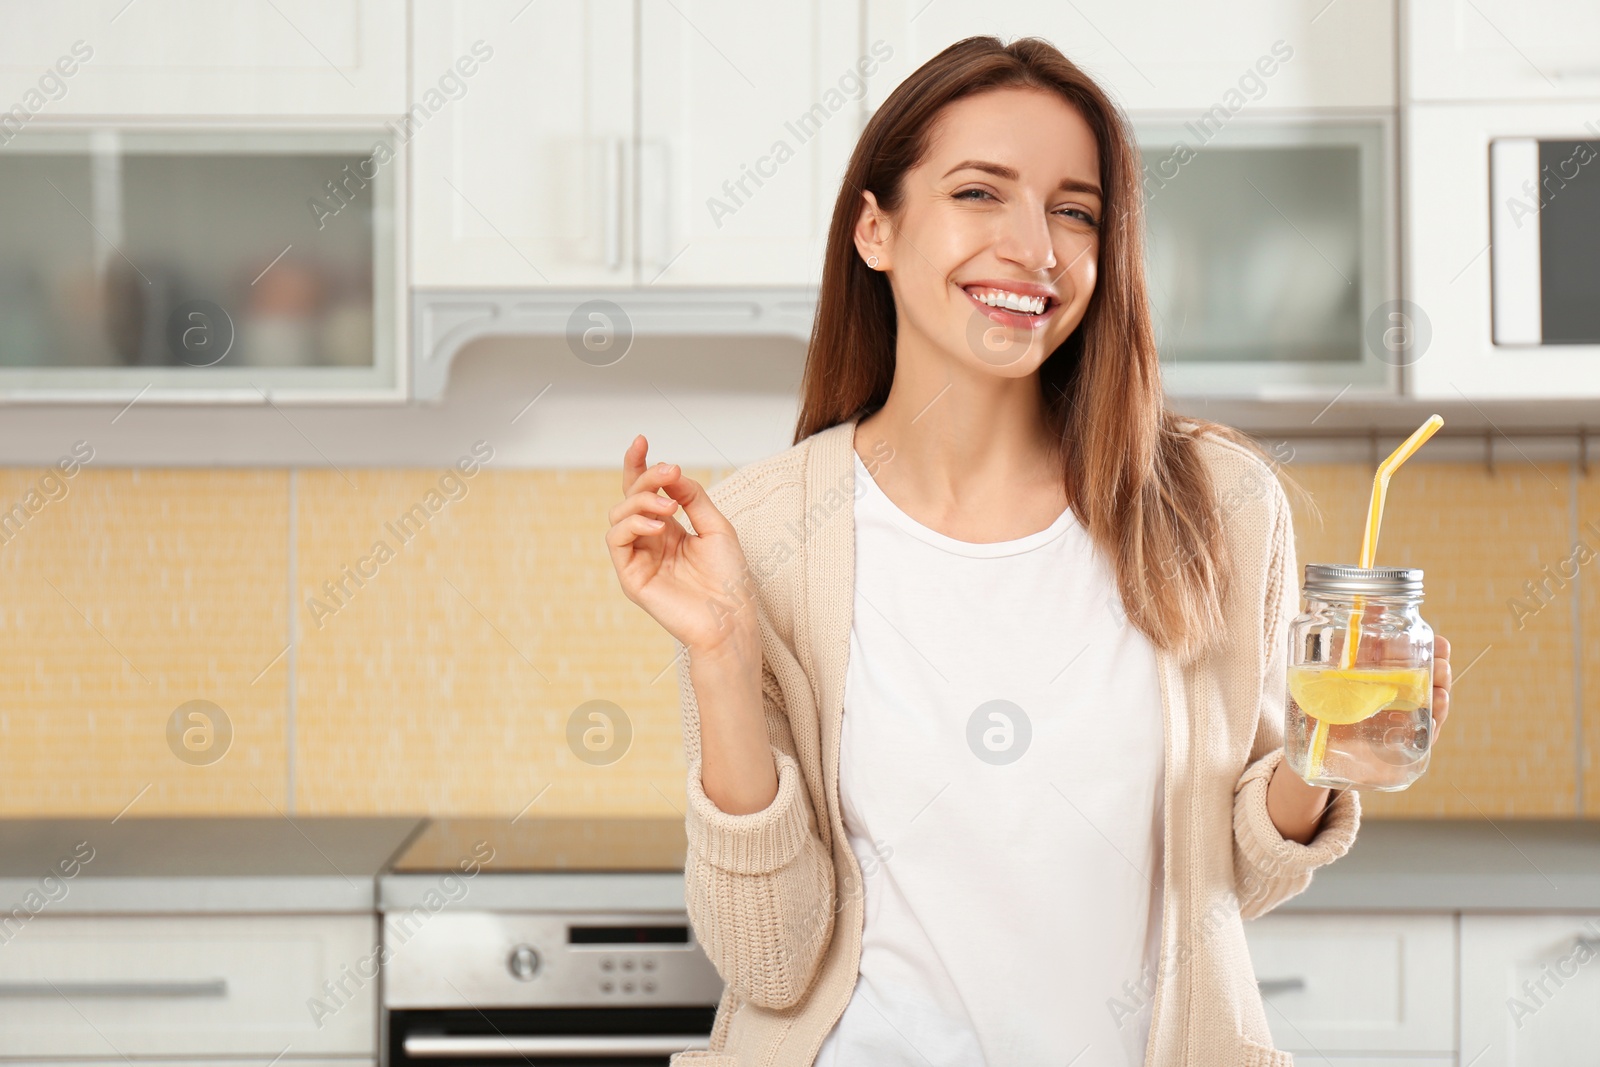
(983,194)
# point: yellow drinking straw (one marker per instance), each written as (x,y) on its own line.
(1369,551)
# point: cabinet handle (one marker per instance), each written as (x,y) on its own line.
(576,1046)
(613,193)
(1271,986)
(209,987)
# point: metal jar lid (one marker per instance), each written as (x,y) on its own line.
(1340,579)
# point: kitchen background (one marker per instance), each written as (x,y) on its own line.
(324,325)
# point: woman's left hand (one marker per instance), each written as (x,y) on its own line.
(1441,685)
(1296,807)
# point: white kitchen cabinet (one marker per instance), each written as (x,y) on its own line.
(1341,54)
(697,145)
(1502,49)
(1530,986)
(746,125)
(1369,984)
(1449,260)
(220,986)
(197,58)
(527,178)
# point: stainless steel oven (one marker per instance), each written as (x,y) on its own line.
(558,942)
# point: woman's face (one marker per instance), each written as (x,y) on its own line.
(1005,209)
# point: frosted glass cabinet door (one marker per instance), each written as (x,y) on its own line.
(197,263)
(525,177)
(1268,250)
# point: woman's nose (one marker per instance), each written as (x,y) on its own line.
(1025,238)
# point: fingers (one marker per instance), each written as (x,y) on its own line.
(633,463)
(650,505)
(625,533)
(649,479)
(1442,678)
(642,481)
(696,505)
(622,538)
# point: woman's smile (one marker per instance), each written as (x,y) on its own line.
(1023,305)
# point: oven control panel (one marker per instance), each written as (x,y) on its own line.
(628,974)
(534,959)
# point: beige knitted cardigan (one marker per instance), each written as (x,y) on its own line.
(775,896)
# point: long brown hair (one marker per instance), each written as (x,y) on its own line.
(1133,473)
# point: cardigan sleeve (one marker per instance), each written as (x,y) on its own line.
(759,887)
(1268,868)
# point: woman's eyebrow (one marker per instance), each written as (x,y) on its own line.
(1000,170)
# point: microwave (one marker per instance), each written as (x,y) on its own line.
(1544,198)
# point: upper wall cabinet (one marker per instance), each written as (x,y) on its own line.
(1502,49)
(1502,197)
(614,145)
(1204,55)
(746,125)
(214,200)
(199,264)
(527,178)
(189,58)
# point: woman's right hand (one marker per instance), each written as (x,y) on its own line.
(688,582)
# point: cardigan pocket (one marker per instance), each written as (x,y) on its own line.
(1253,1054)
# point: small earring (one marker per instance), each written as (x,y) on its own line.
(872,261)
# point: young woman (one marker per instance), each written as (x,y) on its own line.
(983,678)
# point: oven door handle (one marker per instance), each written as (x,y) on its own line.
(431,1047)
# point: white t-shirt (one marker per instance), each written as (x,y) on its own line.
(1001,781)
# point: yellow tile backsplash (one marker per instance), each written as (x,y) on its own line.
(445,682)
(401,641)
(130,595)
(1553,589)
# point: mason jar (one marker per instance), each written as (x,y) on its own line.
(1361,721)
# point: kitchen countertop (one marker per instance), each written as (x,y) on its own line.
(333,864)
(193,865)
(1461,865)
(553,863)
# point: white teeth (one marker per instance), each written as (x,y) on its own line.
(999,298)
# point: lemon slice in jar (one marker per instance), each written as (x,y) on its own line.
(1344,696)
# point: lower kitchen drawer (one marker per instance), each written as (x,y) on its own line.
(1530,990)
(116,987)
(1373,984)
